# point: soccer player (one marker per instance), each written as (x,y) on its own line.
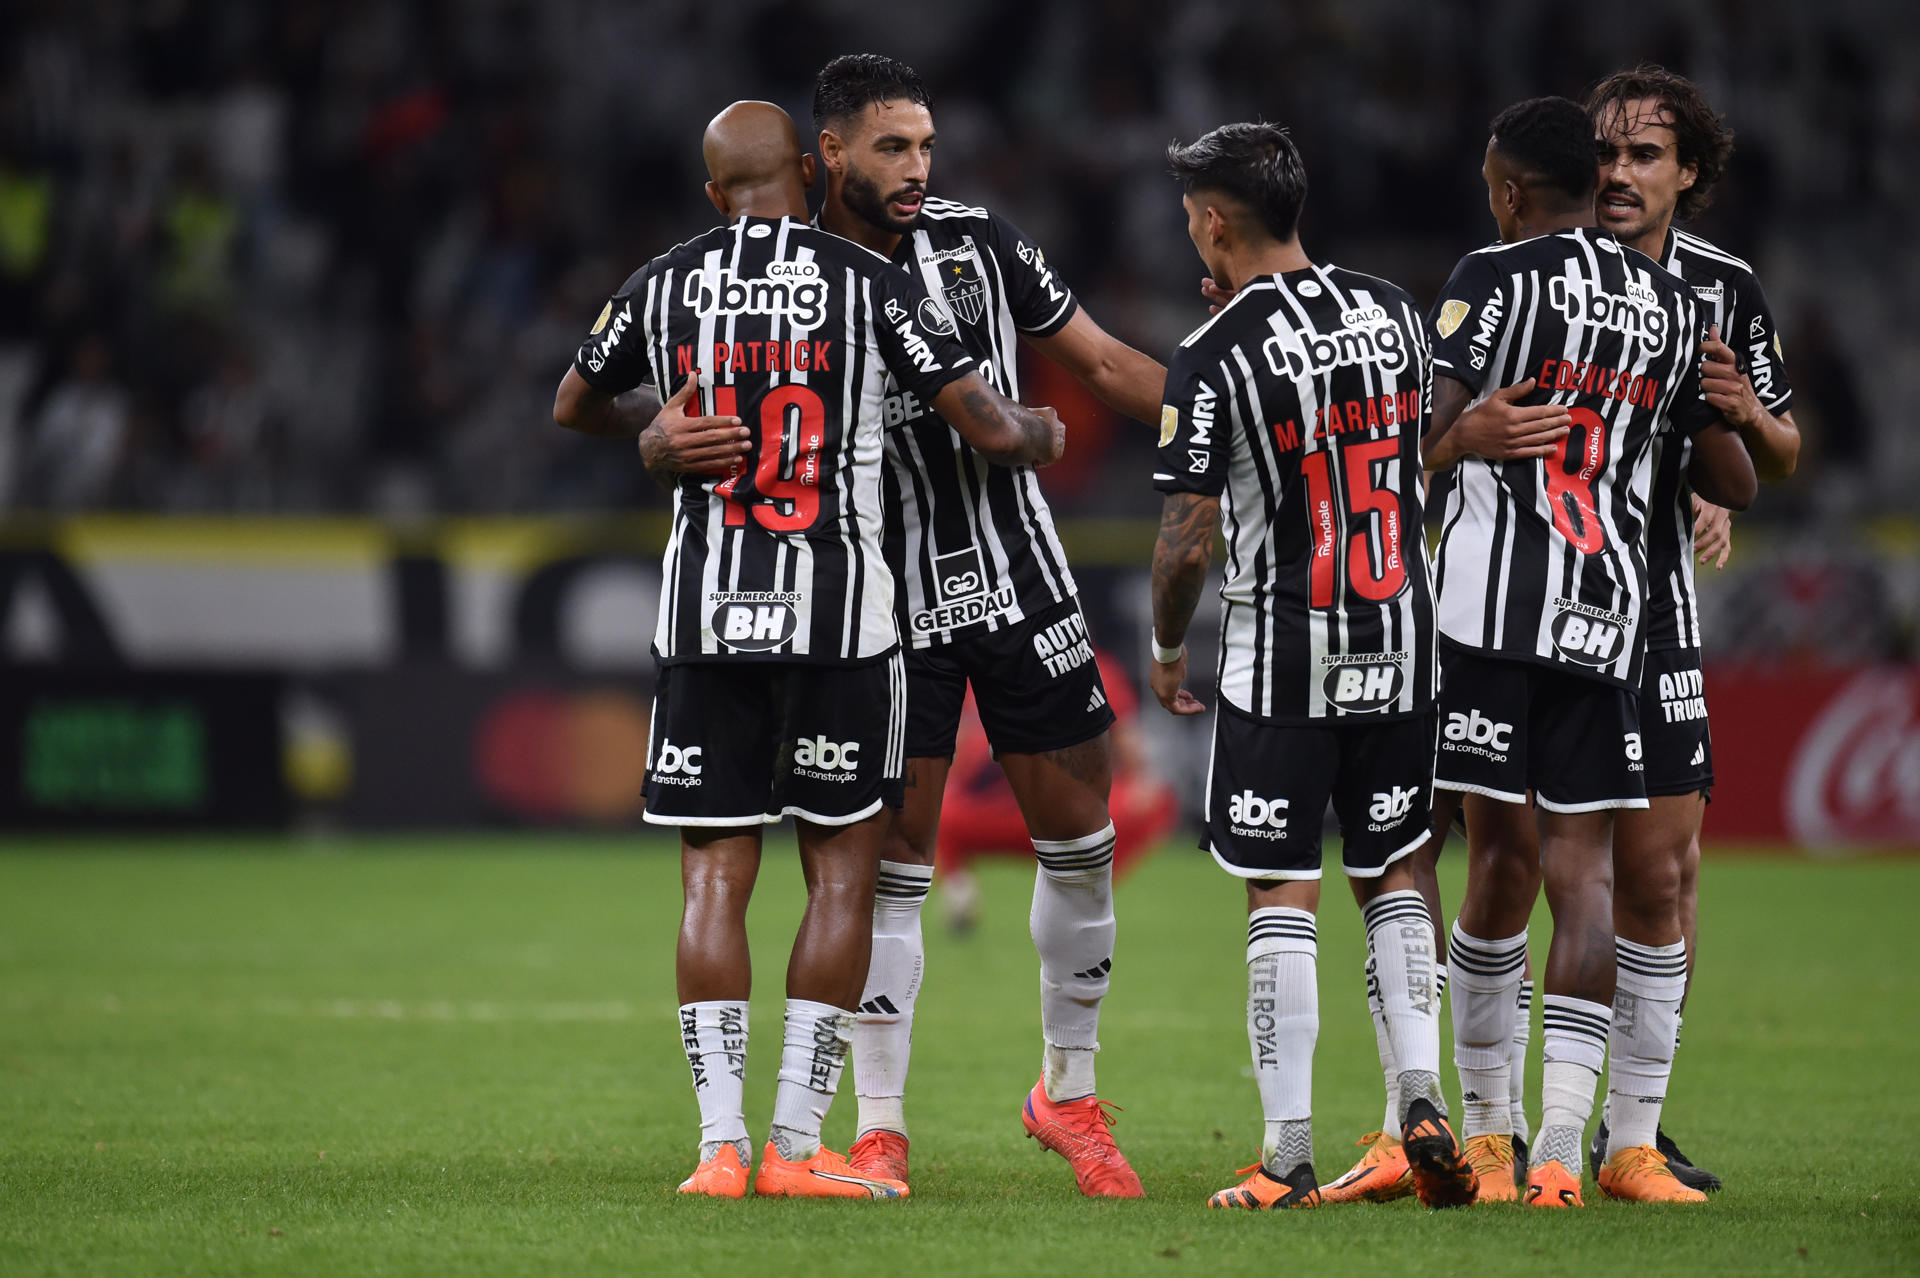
(1541,583)
(986,598)
(1662,149)
(780,689)
(1294,417)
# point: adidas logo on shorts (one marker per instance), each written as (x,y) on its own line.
(1097,700)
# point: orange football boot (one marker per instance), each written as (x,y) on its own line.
(1442,1177)
(1640,1174)
(1492,1157)
(881,1154)
(825,1175)
(1078,1131)
(1264,1191)
(722,1176)
(1550,1184)
(1381,1176)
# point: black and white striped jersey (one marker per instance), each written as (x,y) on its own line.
(1301,406)
(1729,296)
(803,336)
(972,543)
(1545,560)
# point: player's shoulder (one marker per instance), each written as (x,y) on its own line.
(1251,305)
(1695,257)
(1688,245)
(1376,288)
(946,213)
(826,246)
(689,251)
(1653,273)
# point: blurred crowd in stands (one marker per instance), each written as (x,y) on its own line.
(333,255)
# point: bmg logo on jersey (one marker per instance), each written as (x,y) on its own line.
(1252,817)
(825,760)
(792,290)
(1587,639)
(1369,337)
(1361,685)
(1474,733)
(1636,313)
(1390,807)
(676,765)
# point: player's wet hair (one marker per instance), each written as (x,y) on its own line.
(1701,138)
(1257,164)
(854,81)
(1551,138)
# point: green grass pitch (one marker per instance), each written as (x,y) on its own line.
(459,1056)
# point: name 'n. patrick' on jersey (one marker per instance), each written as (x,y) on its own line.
(1545,559)
(1301,406)
(802,335)
(973,543)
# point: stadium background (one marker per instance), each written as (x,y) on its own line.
(291,551)
(285,291)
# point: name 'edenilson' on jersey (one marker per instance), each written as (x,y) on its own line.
(802,335)
(973,543)
(1545,560)
(1301,405)
(1729,296)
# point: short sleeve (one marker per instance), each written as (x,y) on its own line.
(1466,322)
(1193,418)
(1039,299)
(916,335)
(1756,347)
(613,359)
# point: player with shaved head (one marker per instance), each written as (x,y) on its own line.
(780,689)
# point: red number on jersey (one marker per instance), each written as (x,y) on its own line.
(784,502)
(1366,504)
(1570,492)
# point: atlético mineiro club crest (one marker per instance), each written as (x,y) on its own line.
(966,290)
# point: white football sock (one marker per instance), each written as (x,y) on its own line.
(1390,1120)
(1573,1048)
(883,1038)
(1283,1023)
(1486,982)
(715,1037)
(1646,1019)
(811,1058)
(1073,930)
(1517,1076)
(1400,940)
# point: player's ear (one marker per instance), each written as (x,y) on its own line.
(809,169)
(718,198)
(1216,224)
(832,150)
(1689,174)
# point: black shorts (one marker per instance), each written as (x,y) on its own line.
(746,742)
(1268,786)
(1507,727)
(1035,683)
(1673,724)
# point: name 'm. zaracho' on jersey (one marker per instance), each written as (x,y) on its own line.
(1546,559)
(804,336)
(1301,406)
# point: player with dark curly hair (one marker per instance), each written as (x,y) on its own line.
(1662,150)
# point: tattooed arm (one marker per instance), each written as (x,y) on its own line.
(999,429)
(1180,559)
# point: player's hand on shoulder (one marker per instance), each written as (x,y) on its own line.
(1216,296)
(1501,428)
(695,445)
(1166,680)
(1712,532)
(1726,387)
